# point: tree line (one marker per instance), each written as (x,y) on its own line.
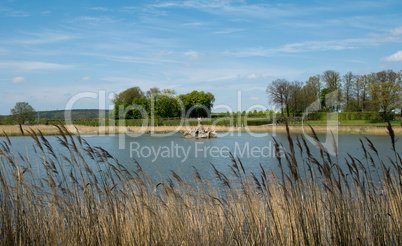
(331,92)
(133,103)
(327,92)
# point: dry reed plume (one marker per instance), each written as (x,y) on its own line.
(310,203)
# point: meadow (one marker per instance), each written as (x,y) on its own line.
(313,202)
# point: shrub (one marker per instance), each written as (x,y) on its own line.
(258,122)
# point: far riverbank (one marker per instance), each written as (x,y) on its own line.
(105,130)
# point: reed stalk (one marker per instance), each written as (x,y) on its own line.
(312,202)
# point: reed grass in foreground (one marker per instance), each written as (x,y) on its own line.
(309,203)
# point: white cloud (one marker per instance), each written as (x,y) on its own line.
(94,20)
(31,66)
(252,76)
(18,80)
(254,88)
(393,35)
(99,9)
(13,12)
(396,31)
(144,60)
(308,46)
(196,24)
(395,57)
(236,8)
(85,78)
(254,98)
(229,30)
(45,37)
(221,77)
(193,54)
(162,53)
(125,82)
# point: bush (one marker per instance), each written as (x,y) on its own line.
(317,116)
(258,122)
(368,116)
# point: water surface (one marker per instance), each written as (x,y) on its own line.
(158,154)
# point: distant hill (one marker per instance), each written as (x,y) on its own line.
(76,114)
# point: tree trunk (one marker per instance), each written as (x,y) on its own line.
(385,116)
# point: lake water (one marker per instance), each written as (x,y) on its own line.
(158,154)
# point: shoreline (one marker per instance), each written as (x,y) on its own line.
(49,130)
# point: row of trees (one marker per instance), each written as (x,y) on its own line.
(133,103)
(377,92)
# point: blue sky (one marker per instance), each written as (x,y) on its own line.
(51,51)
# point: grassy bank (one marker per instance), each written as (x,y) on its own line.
(310,203)
(363,123)
(94,130)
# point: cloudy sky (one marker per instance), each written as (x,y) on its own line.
(56,52)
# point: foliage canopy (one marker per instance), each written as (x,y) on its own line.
(22,112)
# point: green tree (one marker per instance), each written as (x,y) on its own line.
(399,104)
(361,92)
(279,93)
(169,93)
(332,82)
(167,106)
(348,83)
(386,91)
(357,91)
(296,96)
(323,97)
(198,103)
(310,93)
(22,112)
(314,85)
(153,92)
(127,96)
(141,107)
(126,99)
